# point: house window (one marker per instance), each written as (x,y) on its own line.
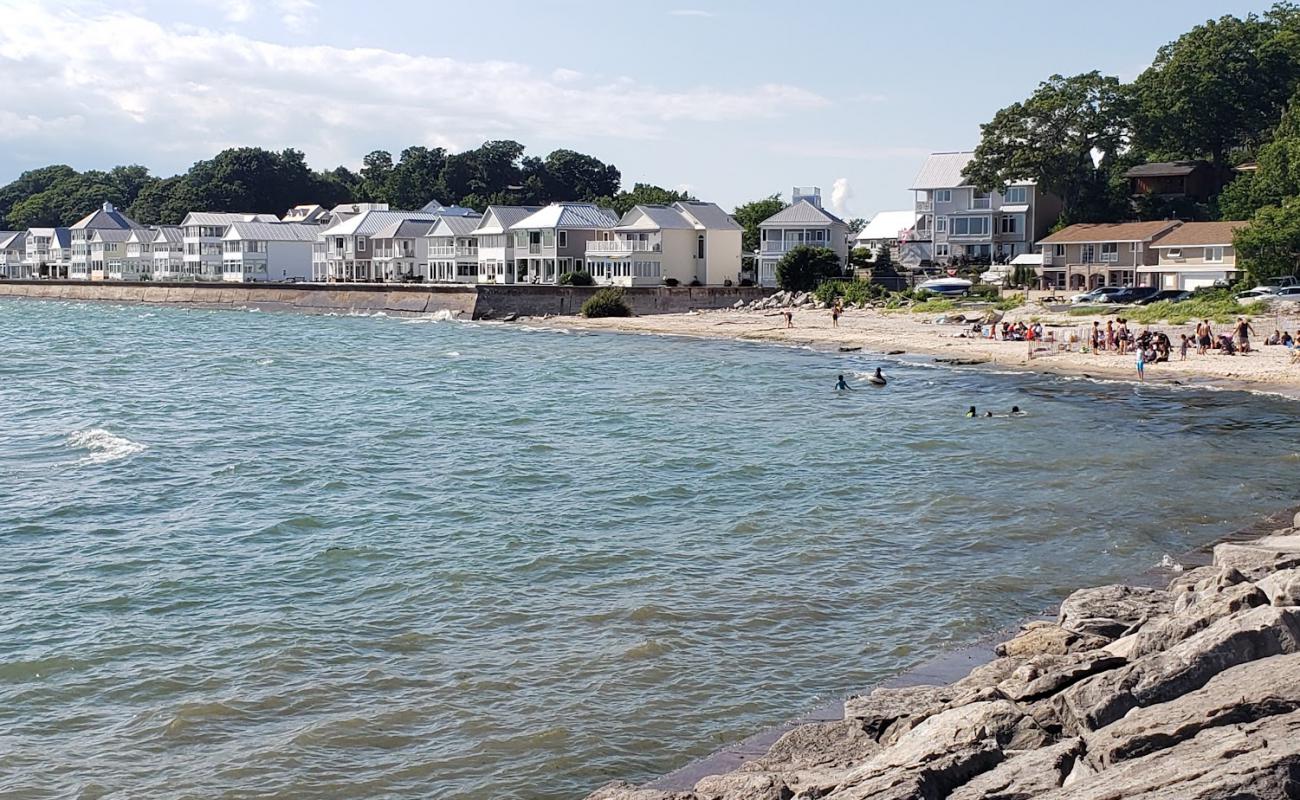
(1060,251)
(1174,252)
(940,224)
(819,236)
(1087,254)
(562,239)
(699,246)
(970,226)
(941,250)
(979,199)
(1016,195)
(361,244)
(1214,255)
(1110,252)
(943,196)
(1133,247)
(1011,224)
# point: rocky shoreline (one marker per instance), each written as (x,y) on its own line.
(1188,691)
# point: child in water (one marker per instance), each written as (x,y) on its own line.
(841,385)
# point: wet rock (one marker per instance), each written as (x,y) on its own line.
(743,786)
(1045,675)
(1101,699)
(622,790)
(1195,611)
(1258,558)
(1255,760)
(1111,611)
(1024,775)
(1244,693)
(1047,638)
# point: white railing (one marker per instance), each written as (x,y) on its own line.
(924,205)
(453,252)
(623,246)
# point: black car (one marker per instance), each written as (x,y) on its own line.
(1164,295)
(1132,294)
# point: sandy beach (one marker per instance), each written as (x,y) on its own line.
(896,333)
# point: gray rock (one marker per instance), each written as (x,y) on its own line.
(817,745)
(1195,611)
(1024,775)
(1243,693)
(1259,557)
(875,713)
(1111,611)
(1258,760)
(1048,638)
(1045,675)
(743,786)
(1189,578)
(1101,699)
(1282,588)
(622,790)
(738,304)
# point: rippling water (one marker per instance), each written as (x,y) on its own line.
(305,557)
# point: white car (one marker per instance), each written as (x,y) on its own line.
(1291,294)
(1098,295)
(1257,293)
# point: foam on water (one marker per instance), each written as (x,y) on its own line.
(102,447)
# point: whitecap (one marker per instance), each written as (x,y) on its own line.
(265,362)
(102,446)
(1170,563)
(452,354)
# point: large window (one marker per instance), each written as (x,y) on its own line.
(1110,252)
(1087,254)
(1060,250)
(562,239)
(940,224)
(943,196)
(980,199)
(1013,223)
(1214,255)
(970,226)
(941,250)
(1016,195)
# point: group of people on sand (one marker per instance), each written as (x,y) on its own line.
(1229,344)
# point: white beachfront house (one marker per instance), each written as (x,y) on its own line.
(139,253)
(344,251)
(690,242)
(49,253)
(13,252)
(108,253)
(267,251)
(106,218)
(168,253)
(453,249)
(1194,255)
(401,250)
(803,222)
(553,240)
(496,244)
(895,230)
(203,232)
(957,221)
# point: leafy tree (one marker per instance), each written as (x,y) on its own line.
(642,194)
(857,224)
(376,172)
(1052,138)
(805,266)
(1270,246)
(884,259)
(29,183)
(576,176)
(413,182)
(1277,173)
(860,257)
(751,214)
(1218,87)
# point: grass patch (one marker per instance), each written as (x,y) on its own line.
(1216,306)
(1091,311)
(933,305)
(1010,302)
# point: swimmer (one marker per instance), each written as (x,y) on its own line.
(1016,412)
(971,413)
(877,379)
(841,385)
(988,415)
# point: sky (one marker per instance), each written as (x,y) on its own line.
(732,100)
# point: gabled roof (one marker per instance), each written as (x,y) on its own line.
(455,226)
(457,211)
(943,171)
(404,229)
(106,218)
(304,213)
(223,218)
(499,218)
(653,218)
(1098,232)
(273,231)
(12,239)
(168,233)
(801,213)
(431,206)
(111,234)
(709,215)
(887,225)
(1199,234)
(367,223)
(1165,169)
(586,216)
(141,236)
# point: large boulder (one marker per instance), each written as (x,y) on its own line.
(1024,775)
(1156,678)
(1243,693)
(1046,675)
(877,712)
(1282,588)
(1195,611)
(622,790)
(1048,638)
(1111,611)
(1255,760)
(1260,557)
(743,786)
(813,758)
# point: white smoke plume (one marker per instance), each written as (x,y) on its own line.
(841,193)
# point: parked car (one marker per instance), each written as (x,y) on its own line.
(1257,293)
(1164,295)
(1131,294)
(1291,294)
(1097,295)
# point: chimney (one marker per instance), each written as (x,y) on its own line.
(108,208)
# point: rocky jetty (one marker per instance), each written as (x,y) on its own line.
(1189,692)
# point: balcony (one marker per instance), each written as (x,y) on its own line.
(458,251)
(924,206)
(624,246)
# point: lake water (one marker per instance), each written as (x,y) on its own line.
(255,555)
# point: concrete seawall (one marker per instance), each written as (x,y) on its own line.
(462,301)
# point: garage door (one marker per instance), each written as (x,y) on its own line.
(1192,284)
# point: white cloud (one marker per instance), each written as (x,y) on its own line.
(105,77)
(691,12)
(841,193)
(297,15)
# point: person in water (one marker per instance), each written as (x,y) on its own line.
(877,379)
(841,385)
(972,412)
(1016,412)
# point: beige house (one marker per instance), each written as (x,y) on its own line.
(1089,255)
(690,242)
(1194,255)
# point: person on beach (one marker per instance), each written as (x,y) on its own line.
(789,318)
(1141,363)
(1183,348)
(1275,339)
(842,385)
(1096,337)
(836,310)
(1110,334)
(1204,337)
(1287,341)
(877,379)
(1123,336)
(1242,331)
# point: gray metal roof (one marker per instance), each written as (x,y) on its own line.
(111,234)
(367,223)
(660,217)
(499,218)
(431,206)
(12,239)
(568,215)
(223,218)
(801,213)
(455,226)
(273,231)
(404,229)
(169,233)
(106,218)
(943,171)
(710,215)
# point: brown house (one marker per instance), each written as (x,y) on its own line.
(1089,255)
(1194,180)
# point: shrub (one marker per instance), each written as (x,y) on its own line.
(577,279)
(985,290)
(671,281)
(746,281)
(607,302)
(934,304)
(1011,301)
(852,291)
(695,282)
(803,267)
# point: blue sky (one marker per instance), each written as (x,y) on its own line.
(733,100)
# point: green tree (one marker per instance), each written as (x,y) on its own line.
(751,214)
(1270,246)
(413,181)
(575,176)
(643,194)
(1054,138)
(1276,176)
(860,257)
(805,266)
(376,172)
(857,224)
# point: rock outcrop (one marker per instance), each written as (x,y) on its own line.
(1187,692)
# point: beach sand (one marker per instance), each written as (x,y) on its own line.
(1265,369)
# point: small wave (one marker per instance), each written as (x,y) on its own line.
(265,362)
(647,648)
(103,446)
(452,354)
(1169,562)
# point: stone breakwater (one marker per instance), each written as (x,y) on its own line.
(1188,692)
